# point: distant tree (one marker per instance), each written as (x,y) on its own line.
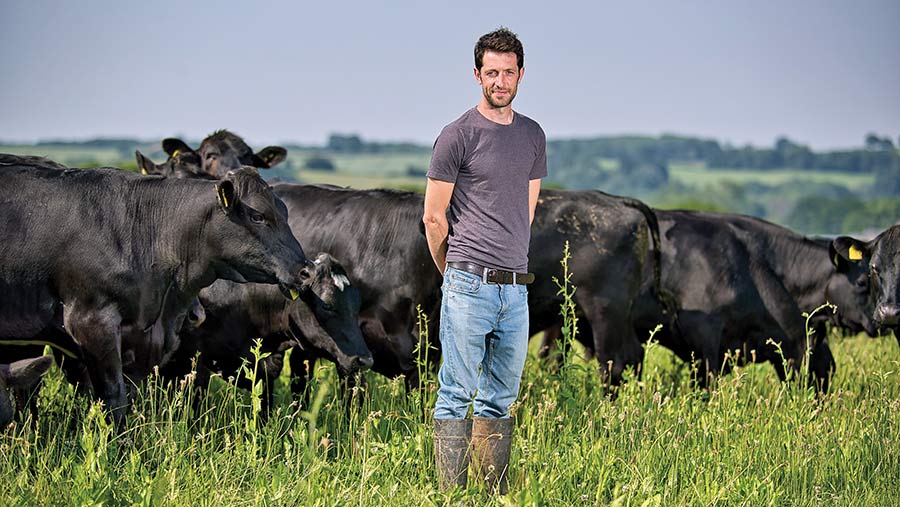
(319,163)
(345,143)
(416,171)
(875,143)
(887,175)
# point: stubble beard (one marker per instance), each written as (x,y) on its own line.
(497,104)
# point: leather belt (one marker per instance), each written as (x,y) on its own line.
(491,275)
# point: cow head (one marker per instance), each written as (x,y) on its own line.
(329,318)
(182,165)
(19,377)
(881,259)
(224,151)
(849,288)
(250,239)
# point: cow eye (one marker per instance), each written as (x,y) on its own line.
(327,307)
(256,217)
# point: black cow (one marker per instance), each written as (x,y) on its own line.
(738,281)
(117,258)
(377,235)
(322,324)
(18,384)
(881,260)
(181,165)
(614,248)
(220,152)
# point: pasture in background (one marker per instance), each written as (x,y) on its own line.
(841,192)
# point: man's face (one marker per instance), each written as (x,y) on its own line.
(499,78)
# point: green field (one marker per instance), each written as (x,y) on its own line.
(698,176)
(358,181)
(750,441)
(364,170)
(72,156)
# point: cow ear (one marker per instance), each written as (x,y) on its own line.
(27,372)
(226,196)
(173,146)
(270,156)
(144,164)
(845,250)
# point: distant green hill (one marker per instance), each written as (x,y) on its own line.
(787,183)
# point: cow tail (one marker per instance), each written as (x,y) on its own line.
(665,297)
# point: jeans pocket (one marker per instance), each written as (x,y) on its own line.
(523,290)
(460,281)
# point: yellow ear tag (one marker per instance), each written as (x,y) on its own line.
(294,294)
(143,171)
(221,195)
(855,253)
(175,154)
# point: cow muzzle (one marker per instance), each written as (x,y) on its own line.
(351,364)
(887,315)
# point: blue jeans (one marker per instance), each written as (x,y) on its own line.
(484,341)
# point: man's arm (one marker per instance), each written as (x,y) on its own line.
(534,189)
(437,198)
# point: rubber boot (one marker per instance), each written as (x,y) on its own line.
(491,439)
(451,451)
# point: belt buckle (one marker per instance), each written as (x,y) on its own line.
(484,274)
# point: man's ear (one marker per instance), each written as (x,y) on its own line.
(225,194)
(145,165)
(845,250)
(173,146)
(270,156)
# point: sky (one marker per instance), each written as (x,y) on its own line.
(822,72)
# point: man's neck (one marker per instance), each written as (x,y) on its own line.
(502,115)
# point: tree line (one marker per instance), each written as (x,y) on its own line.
(636,163)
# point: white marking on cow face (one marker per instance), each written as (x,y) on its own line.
(340,281)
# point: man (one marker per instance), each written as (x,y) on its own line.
(487,167)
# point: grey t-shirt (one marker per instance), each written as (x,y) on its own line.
(491,165)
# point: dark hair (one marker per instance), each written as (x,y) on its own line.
(500,40)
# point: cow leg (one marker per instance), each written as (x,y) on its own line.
(788,324)
(608,327)
(270,368)
(393,354)
(302,368)
(703,334)
(98,332)
(821,360)
(552,347)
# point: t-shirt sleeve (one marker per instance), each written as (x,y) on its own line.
(447,156)
(539,169)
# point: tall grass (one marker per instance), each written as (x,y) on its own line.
(751,440)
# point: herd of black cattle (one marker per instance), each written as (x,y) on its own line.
(197,257)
